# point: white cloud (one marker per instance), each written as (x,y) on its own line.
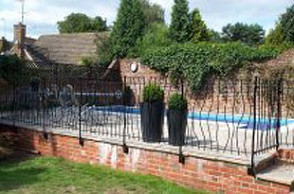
(221,12)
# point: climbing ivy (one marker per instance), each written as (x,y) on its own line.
(196,63)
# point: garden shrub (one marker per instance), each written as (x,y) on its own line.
(153,92)
(177,102)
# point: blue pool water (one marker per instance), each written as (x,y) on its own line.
(245,122)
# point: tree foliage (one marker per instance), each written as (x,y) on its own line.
(198,29)
(104,50)
(215,36)
(281,37)
(98,24)
(128,28)
(12,70)
(249,34)
(287,24)
(156,37)
(180,25)
(78,22)
(4,45)
(153,12)
(275,36)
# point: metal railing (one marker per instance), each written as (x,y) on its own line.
(239,117)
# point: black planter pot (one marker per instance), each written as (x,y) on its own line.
(177,123)
(152,117)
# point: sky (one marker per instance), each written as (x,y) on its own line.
(41,16)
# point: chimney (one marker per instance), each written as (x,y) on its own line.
(19,38)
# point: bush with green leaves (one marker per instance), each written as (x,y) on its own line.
(13,70)
(196,63)
(152,93)
(177,102)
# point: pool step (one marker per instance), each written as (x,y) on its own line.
(265,161)
(281,172)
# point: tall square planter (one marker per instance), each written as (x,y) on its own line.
(152,119)
(177,123)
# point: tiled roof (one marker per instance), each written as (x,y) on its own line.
(65,48)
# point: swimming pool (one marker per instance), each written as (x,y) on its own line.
(244,122)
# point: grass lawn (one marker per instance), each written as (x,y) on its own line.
(52,175)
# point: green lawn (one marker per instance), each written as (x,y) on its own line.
(52,175)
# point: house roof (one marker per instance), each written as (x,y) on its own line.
(64,48)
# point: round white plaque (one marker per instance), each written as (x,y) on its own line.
(134,67)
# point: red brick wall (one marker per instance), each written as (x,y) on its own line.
(210,100)
(196,173)
(143,71)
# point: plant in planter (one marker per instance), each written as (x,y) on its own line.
(152,113)
(177,119)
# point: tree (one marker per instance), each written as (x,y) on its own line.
(128,28)
(249,34)
(180,26)
(153,12)
(198,28)
(287,24)
(78,22)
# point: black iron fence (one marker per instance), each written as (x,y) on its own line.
(237,117)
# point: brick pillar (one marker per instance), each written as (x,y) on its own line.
(19,37)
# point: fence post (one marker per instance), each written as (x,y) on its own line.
(278,126)
(125,147)
(57,74)
(252,169)
(43,108)
(81,141)
(14,101)
(181,155)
